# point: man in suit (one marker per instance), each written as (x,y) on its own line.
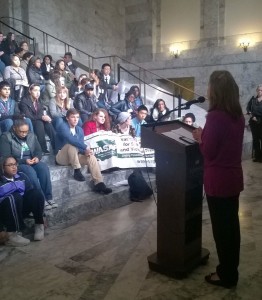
(109,87)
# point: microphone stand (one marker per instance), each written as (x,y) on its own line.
(180,107)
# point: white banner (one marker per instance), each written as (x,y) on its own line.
(119,150)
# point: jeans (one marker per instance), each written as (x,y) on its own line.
(5,125)
(39,176)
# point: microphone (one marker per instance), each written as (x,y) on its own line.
(200,99)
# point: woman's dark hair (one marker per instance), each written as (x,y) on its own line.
(224,93)
(134,87)
(21,43)
(9,36)
(3,161)
(157,102)
(33,60)
(97,72)
(57,64)
(20,122)
(129,93)
(26,55)
(49,56)
(191,116)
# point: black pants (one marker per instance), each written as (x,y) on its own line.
(226,232)
(15,207)
(41,128)
(256,130)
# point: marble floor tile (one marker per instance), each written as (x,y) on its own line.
(104,257)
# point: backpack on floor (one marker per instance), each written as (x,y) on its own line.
(138,187)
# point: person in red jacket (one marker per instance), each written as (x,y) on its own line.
(221,145)
(99,121)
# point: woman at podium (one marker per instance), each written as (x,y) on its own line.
(221,145)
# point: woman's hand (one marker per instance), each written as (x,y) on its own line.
(197,133)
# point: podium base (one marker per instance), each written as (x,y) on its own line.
(177,272)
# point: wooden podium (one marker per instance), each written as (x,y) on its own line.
(179,181)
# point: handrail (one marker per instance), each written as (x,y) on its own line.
(101,57)
(25,35)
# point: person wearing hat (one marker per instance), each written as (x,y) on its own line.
(123,125)
(85,102)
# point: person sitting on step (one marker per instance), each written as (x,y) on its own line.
(33,109)
(99,121)
(22,144)
(18,199)
(71,150)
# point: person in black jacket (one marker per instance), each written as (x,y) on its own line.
(34,73)
(20,143)
(17,199)
(33,109)
(124,105)
(47,66)
(254,108)
(85,102)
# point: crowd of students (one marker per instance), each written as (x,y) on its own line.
(39,98)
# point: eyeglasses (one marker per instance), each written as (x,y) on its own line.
(11,165)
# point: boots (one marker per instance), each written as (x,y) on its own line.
(78,175)
(101,188)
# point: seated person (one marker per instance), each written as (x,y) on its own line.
(8,110)
(124,124)
(85,102)
(59,105)
(138,100)
(25,60)
(33,109)
(139,120)
(189,119)
(77,86)
(34,72)
(124,105)
(18,198)
(23,145)
(71,150)
(99,121)
(47,66)
(17,78)
(70,66)
(108,87)
(159,111)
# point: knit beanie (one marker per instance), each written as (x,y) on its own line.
(122,117)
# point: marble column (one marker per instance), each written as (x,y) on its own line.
(212,22)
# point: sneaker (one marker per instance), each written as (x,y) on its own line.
(101,188)
(48,206)
(39,232)
(16,240)
(52,203)
(79,176)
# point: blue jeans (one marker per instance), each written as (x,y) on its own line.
(5,125)
(39,176)
(2,68)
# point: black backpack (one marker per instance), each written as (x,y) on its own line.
(139,189)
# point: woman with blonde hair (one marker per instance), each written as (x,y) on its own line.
(99,121)
(59,105)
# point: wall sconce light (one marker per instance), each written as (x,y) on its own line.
(244,45)
(174,51)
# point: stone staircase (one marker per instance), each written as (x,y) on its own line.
(76,199)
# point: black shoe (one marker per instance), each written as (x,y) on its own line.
(46,152)
(219,282)
(101,188)
(79,176)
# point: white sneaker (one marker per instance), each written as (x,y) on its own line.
(47,206)
(16,240)
(39,232)
(52,203)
